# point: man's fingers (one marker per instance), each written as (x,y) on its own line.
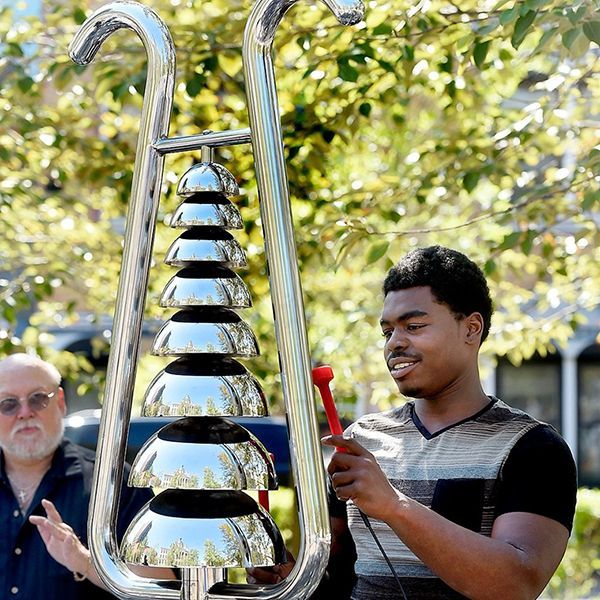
(51,511)
(349,444)
(340,478)
(49,528)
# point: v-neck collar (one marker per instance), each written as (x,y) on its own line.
(426,433)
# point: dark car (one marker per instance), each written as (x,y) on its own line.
(82,428)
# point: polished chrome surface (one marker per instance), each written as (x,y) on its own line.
(187,333)
(202,210)
(207,177)
(185,528)
(205,245)
(204,387)
(131,293)
(286,293)
(194,142)
(216,286)
(195,582)
(210,453)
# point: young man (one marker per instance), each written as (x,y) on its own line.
(468,497)
(43,477)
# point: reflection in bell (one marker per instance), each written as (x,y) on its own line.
(211,285)
(207,177)
(204,386)
(218,331)
(209,453)
(205,244)
(207,210)
(183,528)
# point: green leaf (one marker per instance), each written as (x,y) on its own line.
(490,266)
(590,199)
(79,16)
(376,251)
(591,29)
(569,36)
(470,180)
(383,29)
(365,109)
(527,243)
(522,27)
(195,84)
(480,52)
(507,16)
(346,71)
(25,84)
(546,37)
(510,240)
(533,4)
(493,24)
(499,5)
(575,15)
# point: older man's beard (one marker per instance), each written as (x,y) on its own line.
(34,448)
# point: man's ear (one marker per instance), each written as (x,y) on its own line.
(61,401)
(474,328)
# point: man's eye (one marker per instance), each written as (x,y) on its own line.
(386,334)
(414,327)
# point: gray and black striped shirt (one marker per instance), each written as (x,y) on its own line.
(497,461)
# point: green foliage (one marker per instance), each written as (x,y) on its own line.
(427,123)
(579,572)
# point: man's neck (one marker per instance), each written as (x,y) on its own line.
(448,409)
(26,469)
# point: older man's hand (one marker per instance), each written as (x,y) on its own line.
(61,542)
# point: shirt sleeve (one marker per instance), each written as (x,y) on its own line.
(539,476)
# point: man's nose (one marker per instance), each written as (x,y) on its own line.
(397,341)
(24,412)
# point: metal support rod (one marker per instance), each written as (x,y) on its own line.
(286,295)
(213,139)
(133,283)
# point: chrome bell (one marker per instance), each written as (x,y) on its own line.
(211,285)
(205,244)
(189,528)
(207,210)
(212,453)
(202,386)
(216,331)
(207,177)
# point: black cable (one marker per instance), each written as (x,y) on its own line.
(383,553)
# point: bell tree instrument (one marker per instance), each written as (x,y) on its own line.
(203,523)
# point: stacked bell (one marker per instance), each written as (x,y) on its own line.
(203,523)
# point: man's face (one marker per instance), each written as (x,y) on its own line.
(30,434)
(426,349)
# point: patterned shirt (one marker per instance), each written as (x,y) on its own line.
(497,461)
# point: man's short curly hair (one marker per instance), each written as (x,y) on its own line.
(454,279)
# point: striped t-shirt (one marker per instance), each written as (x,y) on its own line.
(497,461)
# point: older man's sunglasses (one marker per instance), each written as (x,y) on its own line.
(36,402)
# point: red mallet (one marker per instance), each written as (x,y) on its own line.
(321,377)
(263,499)
(263,495)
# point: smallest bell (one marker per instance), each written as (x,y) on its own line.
(207,177)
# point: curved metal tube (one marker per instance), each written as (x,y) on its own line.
(286,296)
(131,294)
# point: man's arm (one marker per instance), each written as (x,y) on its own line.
(66,548)
(515,562)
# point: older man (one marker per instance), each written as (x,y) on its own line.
(42,479)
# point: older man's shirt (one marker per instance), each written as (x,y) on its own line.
(27,571)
